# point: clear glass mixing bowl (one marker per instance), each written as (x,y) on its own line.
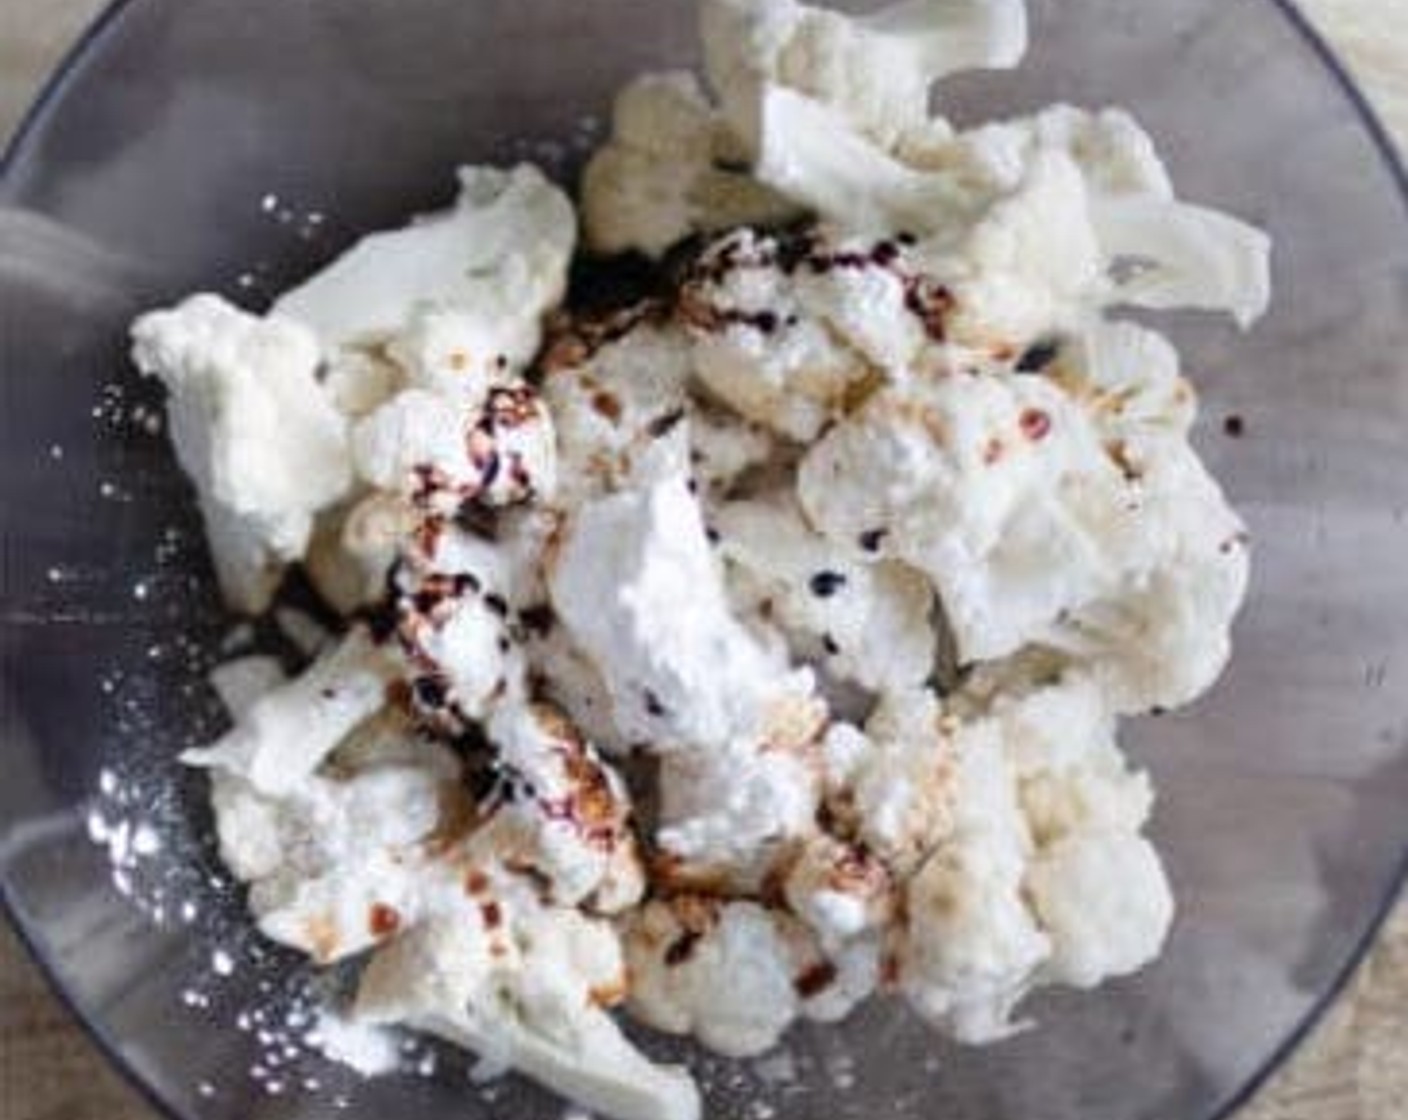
(204,143)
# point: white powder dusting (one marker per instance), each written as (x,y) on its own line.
(367,1049)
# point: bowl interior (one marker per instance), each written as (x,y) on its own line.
(215,145)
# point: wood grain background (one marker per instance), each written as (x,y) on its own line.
(1355,1065)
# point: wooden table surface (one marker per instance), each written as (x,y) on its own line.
(1354,1067)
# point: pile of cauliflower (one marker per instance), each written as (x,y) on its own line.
(744,651)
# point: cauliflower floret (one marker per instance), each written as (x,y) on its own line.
(635,583)
(1127,379)
(286,733)
(993,486)
(753,345)
(893,788)
(1095,884)
(841,891)
(875,70)
(359,380)
(421,445)
(264,446)
(664,174)
(453,627)
(727,814)
(1104,901)
(1029,267)
(1045,878)
(1030,254)
(334,866)
(499,255)
(971,947)
(723,972)
(525,984)
(1163,636)
(865,622)
(562,811)
(354,546)
(616,408)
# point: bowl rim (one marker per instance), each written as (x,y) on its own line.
(51,94)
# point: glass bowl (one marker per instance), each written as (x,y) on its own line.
(200,143)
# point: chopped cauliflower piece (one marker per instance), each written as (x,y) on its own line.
(499,255)
(284,735)
(264,446)
(524,984)
(721,971)
(875,71)
(893,788)
(863,621)
(1104,901)
(1027,234)
(420,445)
(1045,878)
(635,583)
(988,484)
(754,347)
(452,626)
(613,409)
(726,814)
(334,866)
(665,173)
(972,947)
(563,811)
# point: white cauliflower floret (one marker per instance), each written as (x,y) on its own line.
(264,446)
(726,814)
(1163,636)
(562,811)
(526,985)
(462,352)
(452,626)
(1030,266)
(1128,380)
(354,546)
(841,891)
(755,349)
(723,972)
(283,737)
(641,594)
(865,622)
(1028,237)
(499,255)
(971,947)
(874,70)
(991,485)
(615,409)
(893,788)
(420,444)
(1105,903)
(334,866)
(1045,878)
(359,380)
(1095,884)
(664,173)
